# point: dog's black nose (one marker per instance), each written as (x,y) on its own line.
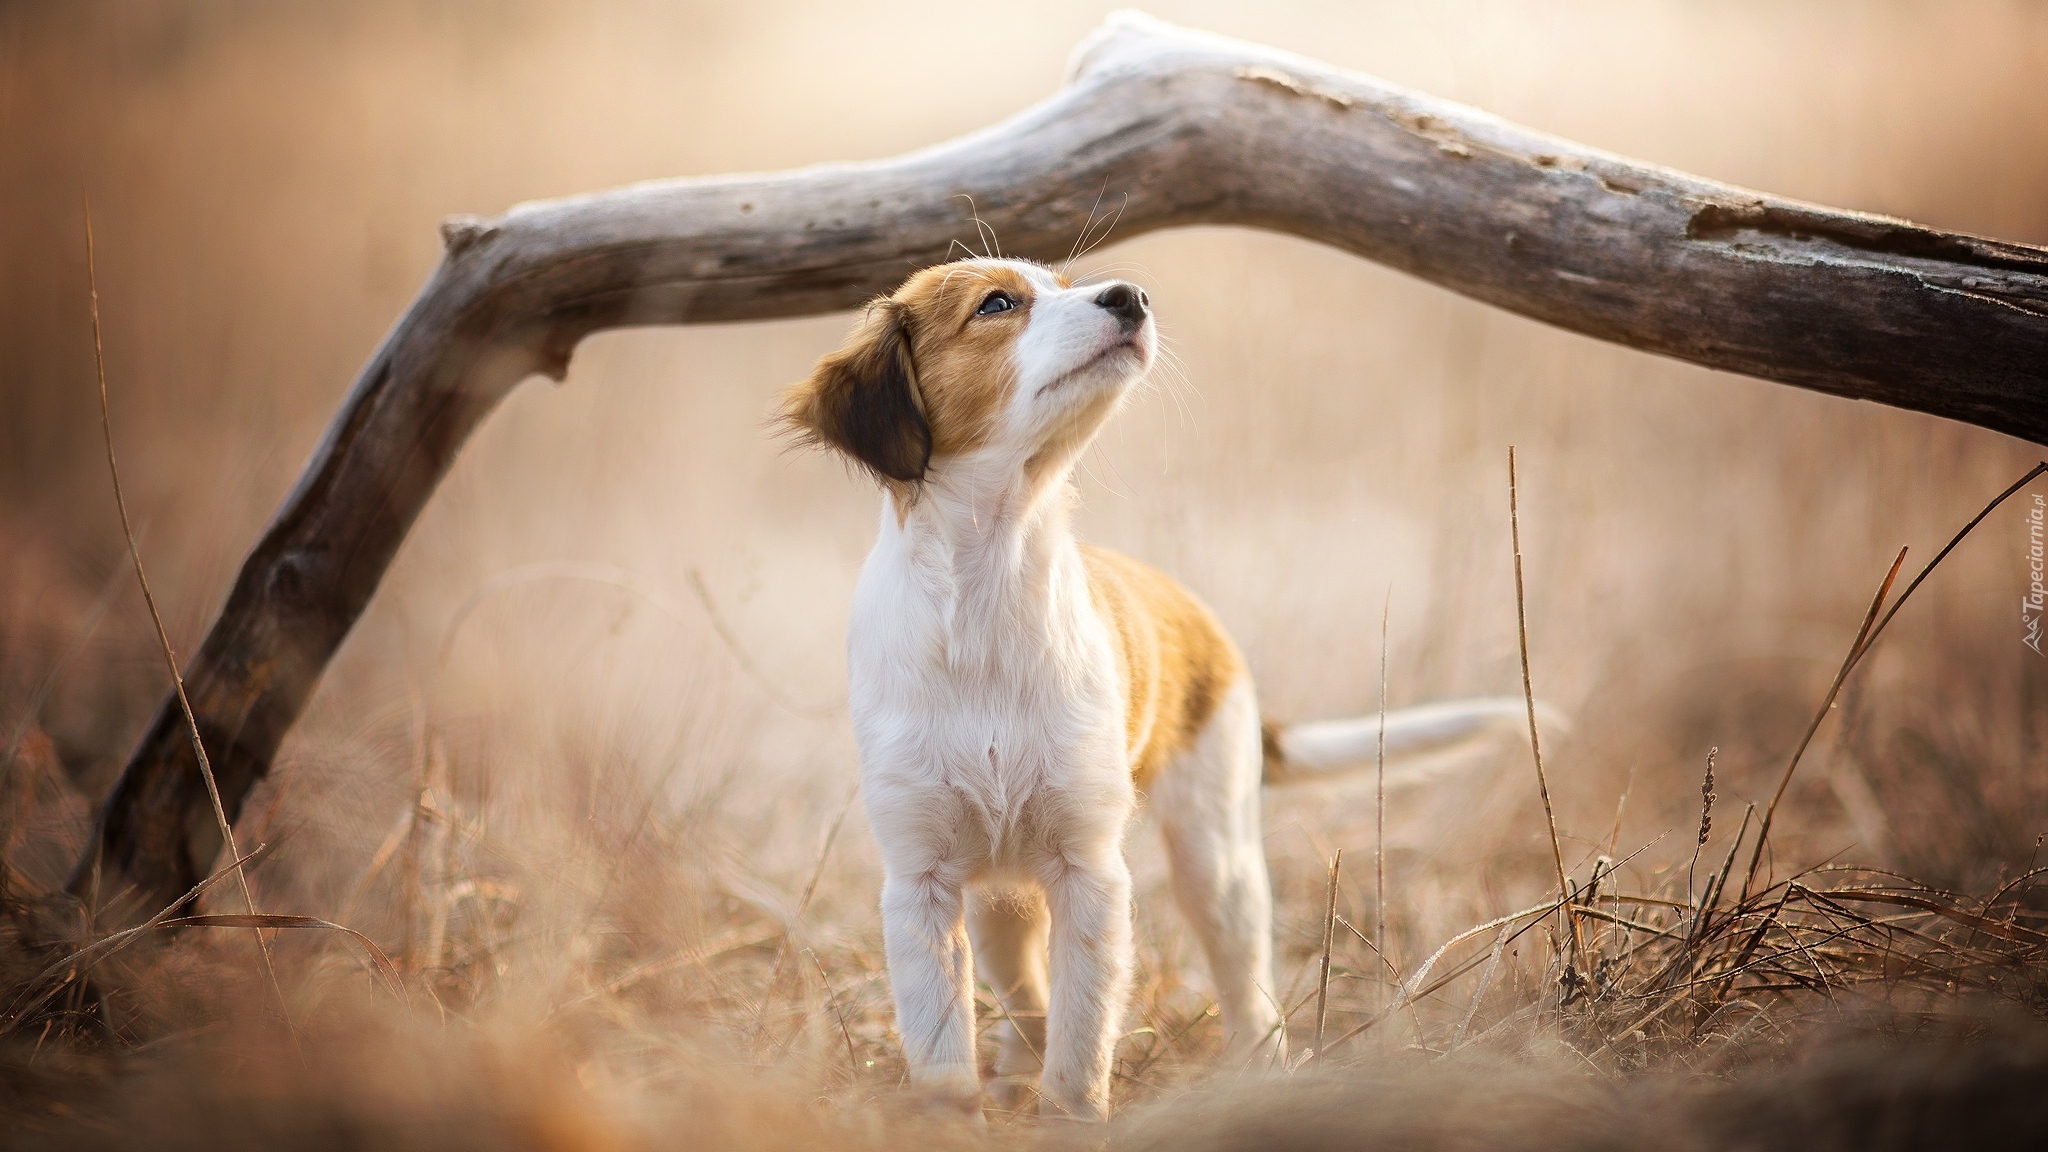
(1126,302)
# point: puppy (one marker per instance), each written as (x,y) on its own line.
(1013,690)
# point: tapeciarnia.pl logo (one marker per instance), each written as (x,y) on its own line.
(2036,601)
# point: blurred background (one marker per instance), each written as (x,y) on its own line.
(611,651)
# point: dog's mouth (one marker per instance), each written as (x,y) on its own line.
(1127,346)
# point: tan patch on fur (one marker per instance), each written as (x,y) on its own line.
(965,371)
(862,401)
(1175,658)
(959,370)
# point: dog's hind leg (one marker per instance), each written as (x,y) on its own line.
(1207,802)
(1009,930)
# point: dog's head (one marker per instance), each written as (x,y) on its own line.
(998,361)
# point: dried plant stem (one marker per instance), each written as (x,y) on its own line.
(1379,807)
(1749,948)
(1392,971)
(1866,637)
(1409,992)
(1277,1031)
(75,965)
(1500,943)
(825,849)
(220,815)
(1564,891)
(1827,703)
(1706,819)
(1362,938)
(832,1002)
(1024,1037)
(802,904)
(1329,940)
(1696,931)
(1169,1041)
(2037,470)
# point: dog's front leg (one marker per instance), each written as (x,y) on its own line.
(932,975)
(1090,902)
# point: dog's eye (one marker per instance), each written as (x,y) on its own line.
(996,302)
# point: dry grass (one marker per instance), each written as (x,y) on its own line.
(620,1025)
(582,771)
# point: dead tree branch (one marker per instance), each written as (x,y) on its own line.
(1196,129)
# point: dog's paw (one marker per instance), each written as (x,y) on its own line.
(949,1093)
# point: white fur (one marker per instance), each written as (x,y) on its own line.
(1326,747)
(990,721)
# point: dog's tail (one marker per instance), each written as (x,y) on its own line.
(1320,749)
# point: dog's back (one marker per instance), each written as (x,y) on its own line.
(1174,658)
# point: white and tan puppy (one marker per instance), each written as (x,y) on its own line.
(1013,690)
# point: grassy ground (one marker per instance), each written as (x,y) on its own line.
(583,773)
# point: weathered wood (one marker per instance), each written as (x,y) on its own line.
(1194,129)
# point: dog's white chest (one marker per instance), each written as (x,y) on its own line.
(983,691)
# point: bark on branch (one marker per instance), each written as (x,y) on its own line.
(1195,129)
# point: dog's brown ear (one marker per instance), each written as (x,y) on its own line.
(863,400)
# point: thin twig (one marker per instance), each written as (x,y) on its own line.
(1998,928)
(1866,637)
(1379,808)
(1628,787)
(803,903)
(378,960)
(1500,943)
(1706,819)
(1717,882)
(1756,937)
(76,964)
(1329,940)
(1392,971)
(832,1002)
(1625,922)
(220,815)
(1362,938)
(2001,498)
(1827,704)
(1009,1018)
(1407,992)
(1529,697)
(1171,1039)
(1702,914)
(1409,995)
(1277,1030)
